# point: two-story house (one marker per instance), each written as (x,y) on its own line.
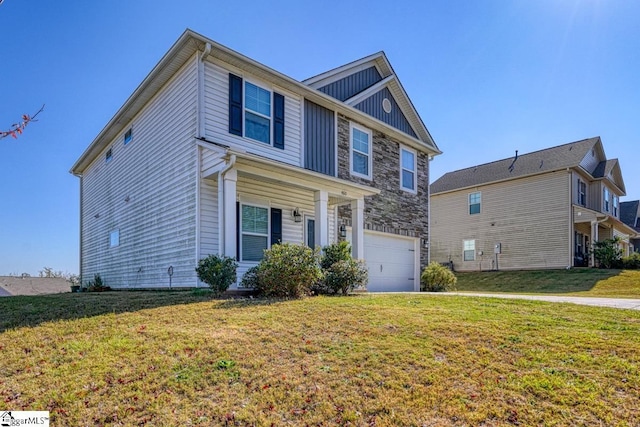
(532,211)
(630,215)
(217,153)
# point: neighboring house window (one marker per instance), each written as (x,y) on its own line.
(475,200)
(407,169)
(258,115)
(360,151)
(108,156)
(469,249)
(114,238)
(615,206)
(128,136)
(605,197)
(255,232)
(582,193)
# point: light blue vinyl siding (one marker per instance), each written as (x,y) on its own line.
(353,84)
(319,139)
(373,107)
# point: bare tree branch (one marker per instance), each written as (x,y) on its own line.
(18,128)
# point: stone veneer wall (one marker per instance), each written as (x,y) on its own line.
(393,210)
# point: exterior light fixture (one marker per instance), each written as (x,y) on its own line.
(343,231)
(297,217)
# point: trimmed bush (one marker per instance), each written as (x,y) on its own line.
(288,271)
(632,262)
(335,252)
(96,285)
(437,278)
(217,271)
(344,276)
(251,279)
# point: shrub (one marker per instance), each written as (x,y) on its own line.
(607,253)
(344,276)
(437,278)
(632,262)
(97,284)
(288,270)
(217,271)
(335,252)
(251,279)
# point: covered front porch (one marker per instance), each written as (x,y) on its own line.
(248,203)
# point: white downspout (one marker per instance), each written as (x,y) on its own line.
(221,206)
(201,107)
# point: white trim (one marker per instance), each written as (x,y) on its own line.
(413,190)
(359,97)
(241,232)
(336,142)
(362,129)
(464,250)
(244,109)
(343,71)
(469,203)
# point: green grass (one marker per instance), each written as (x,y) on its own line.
(578,282)
(181,358)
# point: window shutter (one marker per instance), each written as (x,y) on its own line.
(276,226)
(235,104)
(278,121)
(237,231)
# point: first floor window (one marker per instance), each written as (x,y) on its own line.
(407,169)
(255,232)
(475,200)
(469,248)
(114,238)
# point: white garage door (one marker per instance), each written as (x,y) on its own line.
(391,262)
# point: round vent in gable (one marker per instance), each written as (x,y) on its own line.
(386,105)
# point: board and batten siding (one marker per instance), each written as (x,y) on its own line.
(395,118)
(530,217)
(319,139)
(147,193)
(352,84)
(251,190)
(217,117)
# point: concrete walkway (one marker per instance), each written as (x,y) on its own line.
(630,304)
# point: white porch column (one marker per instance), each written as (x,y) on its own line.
(594,238)
(357,228)
(230,227)
(321,199)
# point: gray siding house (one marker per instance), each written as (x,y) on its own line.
(630,215)
(533,211)
(217,153)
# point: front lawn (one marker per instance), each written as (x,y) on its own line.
(182,358)
(578,282)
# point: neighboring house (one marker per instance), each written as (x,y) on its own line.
(533,211)
(630,215)
(216,153)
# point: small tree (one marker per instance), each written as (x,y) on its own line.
(607,253)
(437,278)
(217,271)
(342,273)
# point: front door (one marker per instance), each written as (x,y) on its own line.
(310,231)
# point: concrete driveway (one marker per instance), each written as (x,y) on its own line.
(630,304)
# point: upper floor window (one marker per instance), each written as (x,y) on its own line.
(258,114)
(408,169)
(469,250)
(605,199)
(128,136)
(582,193)
(109,156)
(254,228)
(114,238)
(475,200)
(360,151)
(615,206)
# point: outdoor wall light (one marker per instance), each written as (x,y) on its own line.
(343,231)
(297,217)
(425,243)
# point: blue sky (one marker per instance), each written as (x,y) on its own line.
(488,77)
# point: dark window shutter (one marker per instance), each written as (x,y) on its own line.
(278,121)
(235,104)
(276,226)
(238,219)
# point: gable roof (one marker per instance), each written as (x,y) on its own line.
(190,43)
(547,160)
(387,79)
(629,213)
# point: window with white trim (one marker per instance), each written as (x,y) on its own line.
(128,136)
(361,145)
(408,166)
(582,193)
(254,229)
(114,238)
(605,199)
(109,156)
(475,201)
(615,206)
(257,113)
(469,250)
